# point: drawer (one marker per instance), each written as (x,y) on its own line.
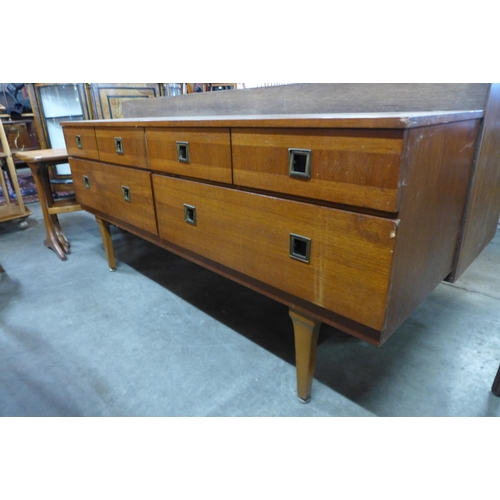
(353,167)
(336,259)
(121,192)
(124,146)
(81,142)
(203,153)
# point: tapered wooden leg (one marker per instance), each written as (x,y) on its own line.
(306,332)
(108,244)
(495,389)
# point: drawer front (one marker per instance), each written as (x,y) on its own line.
(354,167)
(123,146)
(81,142)
(123,193)
(270,239)
(199,153)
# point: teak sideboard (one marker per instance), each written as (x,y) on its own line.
(348,219)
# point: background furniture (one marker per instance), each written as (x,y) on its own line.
(39,162)
(350,219)
(55,102)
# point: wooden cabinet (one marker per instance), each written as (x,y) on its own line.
(351,220)
(21,133)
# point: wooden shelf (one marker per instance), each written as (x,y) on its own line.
(11,212)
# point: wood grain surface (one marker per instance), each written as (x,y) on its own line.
(88,141)
(105,194)
(318,98)
(358,167)
(433,199)
(209,150)
(134,146)
(483,209)
(351,254)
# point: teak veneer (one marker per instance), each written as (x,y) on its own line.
(351,219)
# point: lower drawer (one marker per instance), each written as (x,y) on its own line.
(121,192)
(335,259)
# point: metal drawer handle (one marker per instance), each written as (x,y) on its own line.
(300,247)
(86,182)
(126,193)
(119,145)
(299,163)
(78,139)
(182,151)
(190,214)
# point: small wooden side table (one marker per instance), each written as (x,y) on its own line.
(39,162)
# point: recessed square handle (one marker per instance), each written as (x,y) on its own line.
(300,247)
(86,182)
(119,145)
(126,193)
(190,214)
(182,151)
(78,139)
(299,163)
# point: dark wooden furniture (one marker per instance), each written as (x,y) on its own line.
(39,162)
(351,219)
(495,388)
(21,136)
(21,133)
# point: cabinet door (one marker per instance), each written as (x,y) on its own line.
(54,103)
(107,98)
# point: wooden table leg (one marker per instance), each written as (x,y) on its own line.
(61,237)
(495,389)
(52,240)
(107,242)
(306,331)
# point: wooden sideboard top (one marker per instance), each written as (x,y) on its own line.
(42,155)
(394,120)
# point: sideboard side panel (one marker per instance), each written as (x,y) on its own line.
(483,211)
(439,165)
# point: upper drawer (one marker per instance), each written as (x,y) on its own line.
(125,146)
(121,192)
(81,142)
(203,153)
(353,167)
